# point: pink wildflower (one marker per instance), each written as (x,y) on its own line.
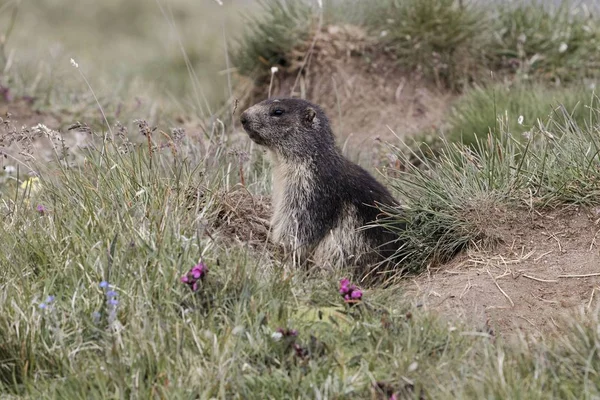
(195,275)
(350,293)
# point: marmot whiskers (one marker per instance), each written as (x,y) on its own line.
(320,199)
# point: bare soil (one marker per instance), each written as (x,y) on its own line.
(546,268)
(28,134)
(22,113)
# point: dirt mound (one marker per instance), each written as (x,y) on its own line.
(548,266)
(243,219)
(360,86)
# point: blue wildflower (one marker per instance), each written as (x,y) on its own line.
(96,317)
(45,304)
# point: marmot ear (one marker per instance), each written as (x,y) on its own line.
(310,115)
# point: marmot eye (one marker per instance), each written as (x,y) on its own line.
(277,111)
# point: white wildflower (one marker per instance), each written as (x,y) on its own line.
(73,63)
(276,336)
(563,47)
(413,366)
(274,70)
(520,120)
(383,33)
(9,169)
(548,134)
(320,3)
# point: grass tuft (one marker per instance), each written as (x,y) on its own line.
(270,36)
(445,41)
(520,106)
(451,197)
(554,42)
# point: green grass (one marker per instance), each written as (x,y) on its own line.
(440,40)
(476,114)
(125,217)
(140,219)
(450,194)
(553,43)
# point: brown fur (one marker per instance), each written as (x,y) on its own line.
(320,199)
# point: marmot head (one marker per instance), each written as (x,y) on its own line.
(291,127)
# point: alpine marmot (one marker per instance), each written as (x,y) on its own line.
(321,200)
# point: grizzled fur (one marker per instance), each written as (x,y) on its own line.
(320,198)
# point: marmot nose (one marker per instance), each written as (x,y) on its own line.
(244,118)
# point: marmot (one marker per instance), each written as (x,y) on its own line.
(320,199)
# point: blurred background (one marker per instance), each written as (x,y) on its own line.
(124,47)
(380,68)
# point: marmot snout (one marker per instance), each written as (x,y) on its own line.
(320,198)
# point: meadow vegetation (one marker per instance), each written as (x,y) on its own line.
(97,238)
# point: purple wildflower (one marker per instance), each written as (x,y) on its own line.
(112,302)
(287,332)
(197,272)
(300,351)
(41,209)
(195,275)
(350,293)
(46,303)
(6,94)
(344,286)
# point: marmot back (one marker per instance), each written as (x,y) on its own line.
(321,200)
